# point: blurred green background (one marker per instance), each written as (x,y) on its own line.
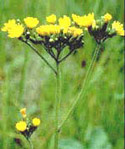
(25,81)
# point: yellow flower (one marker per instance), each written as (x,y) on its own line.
(73,31)
(31,22)
(16,31)
(88,20)
(64,22)
(107,17)
(75,18)
(118,27)
(8,25)
(21,126)
(23,112)
(36,122)
(122,32)
(84,21)
(46,30)
(51,19)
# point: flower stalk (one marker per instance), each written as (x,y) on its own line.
(57,106)
(83,89)
(30,143)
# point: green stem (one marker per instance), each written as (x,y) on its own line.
(57,107)
(30,143)
(82,92)
(35,50)
(66,56)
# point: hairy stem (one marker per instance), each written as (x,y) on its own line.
(57,107)
(30,143)
(82,91)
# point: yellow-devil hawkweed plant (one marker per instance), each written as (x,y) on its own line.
(27,126)
(55,36)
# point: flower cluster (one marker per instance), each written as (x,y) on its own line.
(26,127)
(99,29)
(58,33)
(54,36)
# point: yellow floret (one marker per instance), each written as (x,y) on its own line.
(75,17)
(107,17)
(9,25)
(46,30)
(23,112)
(79,20)
(16,31)
(118,27)
(51,19)
(31,22)
(64,22)
(84,21)
(73,31)
(88,20)
(36,122)
(122,32)
(21,126)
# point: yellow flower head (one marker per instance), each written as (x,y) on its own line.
(23,112)
(47,30)
(64,22)
(88,20)
(31,22)
(16,31)
(84,21)
(118,27)
(36,122)
(122,32)
(51,19)
(8,25)
(73,31)
(75,18)
(107,17)
(21,126)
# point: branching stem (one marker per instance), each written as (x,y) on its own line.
(65,56)
(36,51)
